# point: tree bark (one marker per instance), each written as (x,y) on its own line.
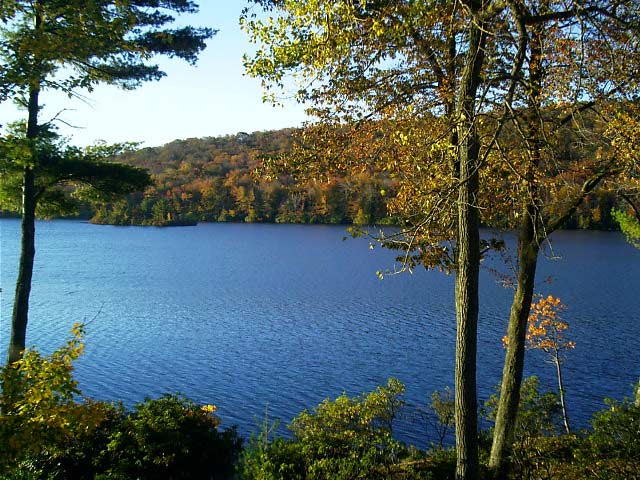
(20,315)
(514,360)
(468,258)
(25,269)
(468,262)
(563,404)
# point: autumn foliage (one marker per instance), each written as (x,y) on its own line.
(546,327)
(545,332)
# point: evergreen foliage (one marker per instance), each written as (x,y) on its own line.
(70,46)
(65,176)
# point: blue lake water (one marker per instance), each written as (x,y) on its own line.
(248,316)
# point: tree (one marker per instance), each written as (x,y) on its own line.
(408,78)
(545,332)
(62,176)
(62,45)
(478,109)
(442,405)
(565,140)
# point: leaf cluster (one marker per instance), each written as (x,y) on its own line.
(629,225)
(546,326)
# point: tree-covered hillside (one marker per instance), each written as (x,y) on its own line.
(221,179)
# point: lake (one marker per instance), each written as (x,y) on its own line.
(250,317)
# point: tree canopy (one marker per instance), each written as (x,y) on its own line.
(67,45)
(478,102)
(65,175)
(71,46)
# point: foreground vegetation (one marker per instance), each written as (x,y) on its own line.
(49,433)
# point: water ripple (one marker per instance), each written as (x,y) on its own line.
(251,317)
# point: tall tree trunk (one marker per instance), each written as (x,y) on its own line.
(468,264)
(20,314)
(530,237)
(563,404)
(468,258)
(25,268)
(514,360)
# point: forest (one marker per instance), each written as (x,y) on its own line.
(232,179)
(223,180)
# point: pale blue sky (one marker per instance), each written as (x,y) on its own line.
(212,98)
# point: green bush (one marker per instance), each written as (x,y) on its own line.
(616,430)
(612,450)
(76,457)
(171,437)
(272,460)
(45,432)
(538,414)
(347,438)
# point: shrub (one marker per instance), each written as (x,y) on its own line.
(40,414)
(45,432)
(171,437)
(538,414)
(443,419)
(272,460)
(612,451)
(347,438)
(77,457)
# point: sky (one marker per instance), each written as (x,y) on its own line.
(212,98)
